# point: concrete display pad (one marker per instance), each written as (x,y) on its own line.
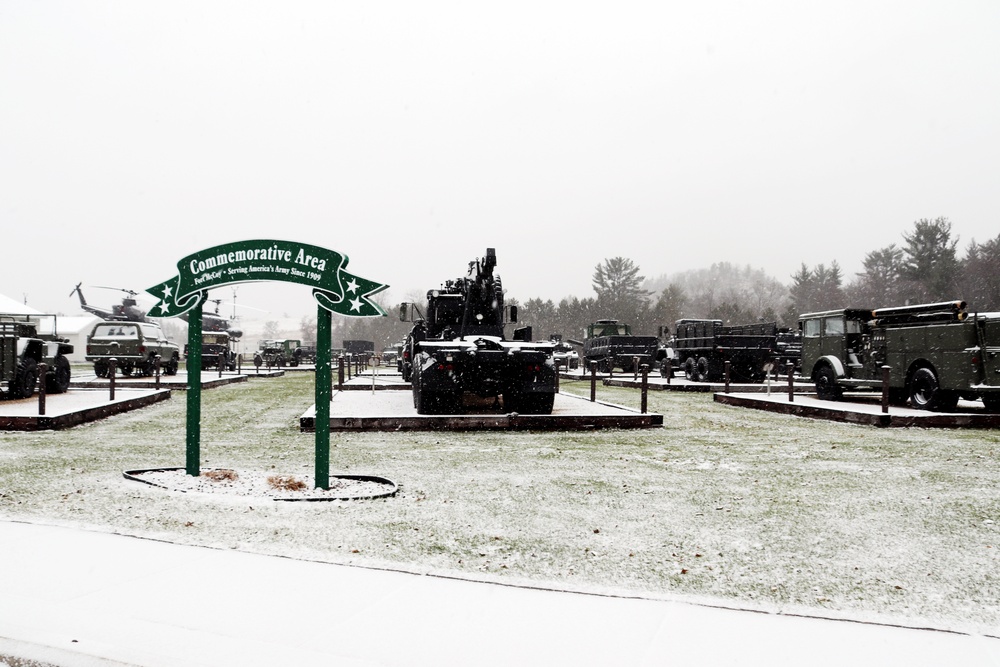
(659,383)
(209,379)
(865,409)
(390,380)
(394,411)
(76,406)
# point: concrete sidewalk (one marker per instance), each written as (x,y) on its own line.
(71,597)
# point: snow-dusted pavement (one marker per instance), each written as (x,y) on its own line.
(68,596)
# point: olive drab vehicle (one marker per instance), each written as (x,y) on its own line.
(458,349)
(216,350)
(612,345)
(23,348)
(280,351)
(936,353)
(703,347)
(133,345)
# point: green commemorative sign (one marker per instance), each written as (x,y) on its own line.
(334,288)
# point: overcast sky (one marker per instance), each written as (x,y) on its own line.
(411,136)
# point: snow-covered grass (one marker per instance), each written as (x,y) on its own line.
(734,506)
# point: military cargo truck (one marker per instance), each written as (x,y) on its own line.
(459,348)
(612,345)
(216,350)
(134,346)
(935,353)
(280,352)
(23,348)
(703,347)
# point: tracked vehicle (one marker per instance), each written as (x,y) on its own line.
(457,349)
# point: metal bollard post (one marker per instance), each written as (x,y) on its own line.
(791,373)
(112,363)
(593,381)
(645,388)
(220,364)
(885,388)
(42,370)
(340,373)
(635,368)
(726,371)
(558,363)
(156,370)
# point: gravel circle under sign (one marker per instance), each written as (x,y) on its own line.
(257,484)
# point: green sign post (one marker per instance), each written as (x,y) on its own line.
(335,291)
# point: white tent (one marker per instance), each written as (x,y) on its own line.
(11,306)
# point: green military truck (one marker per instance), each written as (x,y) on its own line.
(133,345)
(216,350)
(612,345)
(280,351)
(936,353)
(23,348)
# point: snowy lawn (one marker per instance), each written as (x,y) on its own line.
(733,506)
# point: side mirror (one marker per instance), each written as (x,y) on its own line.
(404,312)
(513,313)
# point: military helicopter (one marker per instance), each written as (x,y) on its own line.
(128,311)
(216,322)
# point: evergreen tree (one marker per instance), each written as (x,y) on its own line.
(930,264)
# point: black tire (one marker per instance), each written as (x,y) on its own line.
(58,377)
(926,392)
(534,404)
(606,365)
(172,365)
(101,369)
(991,402)
(825,379)
(666,370)
(690,370)
(126,368)
(149,366)
(897,396)
(701,369)
(25,378)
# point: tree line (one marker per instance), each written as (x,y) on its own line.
(924,268)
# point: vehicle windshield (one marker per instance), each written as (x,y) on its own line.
(116,331)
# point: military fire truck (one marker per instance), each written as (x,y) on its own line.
(935,353)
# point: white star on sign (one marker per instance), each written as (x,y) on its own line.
(167,292)
(352,286)
(356,304)
(164,307)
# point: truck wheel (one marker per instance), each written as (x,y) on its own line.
(827,388)
(101,369)
(992,402)
(25,378)
(926,392)
(535,404)
(665,369)
(126,368)
(701,369)
(149,367)
(172,365)
(57,379)
(689,368)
